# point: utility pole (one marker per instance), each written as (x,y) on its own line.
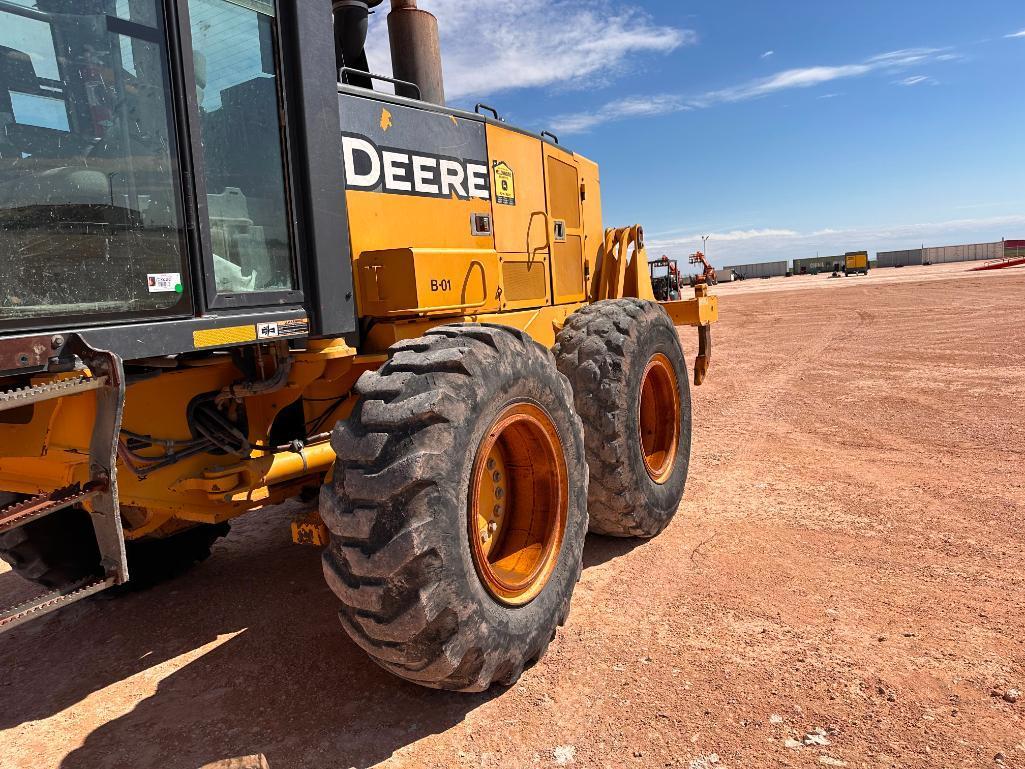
(704,244)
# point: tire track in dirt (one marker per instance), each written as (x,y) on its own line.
(787,368)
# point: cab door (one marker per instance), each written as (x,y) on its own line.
(242,180)
(562,181)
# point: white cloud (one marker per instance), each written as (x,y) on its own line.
(488,47)
(917,80)
(905,57)
(791,78)
(741,246)
(1016,34)
(640,106)
(767,54)
(805,77)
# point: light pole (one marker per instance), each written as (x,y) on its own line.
(704,244)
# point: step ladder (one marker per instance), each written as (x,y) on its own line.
(105,379)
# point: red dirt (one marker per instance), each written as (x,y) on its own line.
(849,556)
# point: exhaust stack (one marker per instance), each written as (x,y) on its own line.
(416,51)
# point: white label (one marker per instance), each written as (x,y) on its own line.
(267,331)
(164,282)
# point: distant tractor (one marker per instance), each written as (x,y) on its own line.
(855,263)
(708,275)
(665,285)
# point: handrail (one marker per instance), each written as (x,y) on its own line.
(480,108)
(548,234)
(344,71)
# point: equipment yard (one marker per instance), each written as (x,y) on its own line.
(848,558)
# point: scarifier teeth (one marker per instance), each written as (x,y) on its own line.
(16,615)
(27,510)
(24,396)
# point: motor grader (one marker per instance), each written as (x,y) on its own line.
(234,270)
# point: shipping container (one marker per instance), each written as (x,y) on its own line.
(1014,249)
(724,276)
(817,264)
(899,258)
(761,270)
(973,252)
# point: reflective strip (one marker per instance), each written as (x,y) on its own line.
(220,337)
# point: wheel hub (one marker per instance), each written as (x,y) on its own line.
(518,504)
(659,418)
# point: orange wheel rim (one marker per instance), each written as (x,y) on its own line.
(659,418)
(519,497)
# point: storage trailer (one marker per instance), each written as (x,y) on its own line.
(855,263)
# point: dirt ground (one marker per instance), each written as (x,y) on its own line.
(848,558)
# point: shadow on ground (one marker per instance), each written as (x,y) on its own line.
(267,668)
(600,550)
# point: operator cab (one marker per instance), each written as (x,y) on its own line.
(145,167)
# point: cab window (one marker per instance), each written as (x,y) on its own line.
(242,157)
(90,204)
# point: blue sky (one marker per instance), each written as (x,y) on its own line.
(783,129)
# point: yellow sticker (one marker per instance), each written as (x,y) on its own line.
(220,337)
(385,120)
(505,184)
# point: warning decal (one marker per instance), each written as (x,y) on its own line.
(283,328)
(505,184)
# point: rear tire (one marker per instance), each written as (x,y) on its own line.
(60,550)
(630,386)
(417,594)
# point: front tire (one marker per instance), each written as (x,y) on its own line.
(630,385)
(458,508)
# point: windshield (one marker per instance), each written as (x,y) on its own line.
(90,220)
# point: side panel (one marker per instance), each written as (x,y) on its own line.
(563,181)
(521,222)
(594,229)
(417,180)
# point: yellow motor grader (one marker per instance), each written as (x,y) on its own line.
(232,272)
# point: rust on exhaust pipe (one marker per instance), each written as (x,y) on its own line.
(416,51)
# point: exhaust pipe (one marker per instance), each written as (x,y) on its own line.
(415,47)
(416,51)
(351,18)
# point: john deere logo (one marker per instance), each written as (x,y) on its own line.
(505,184)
